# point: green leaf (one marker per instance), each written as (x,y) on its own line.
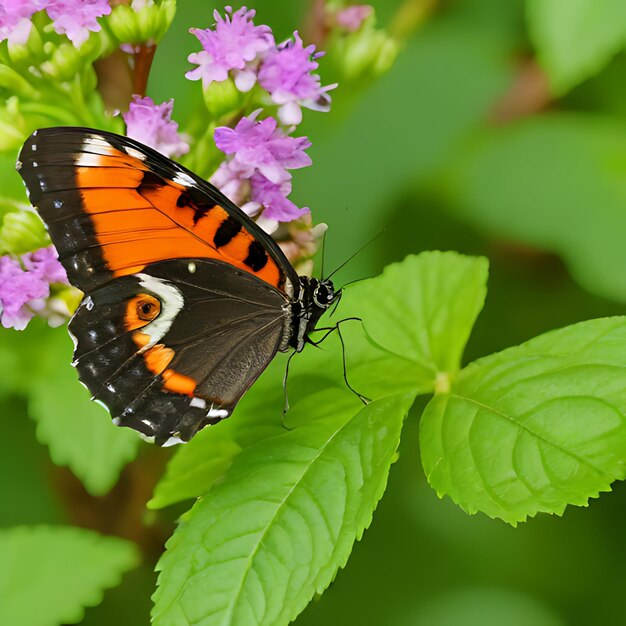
(195,467)
(78,432)
(284,519)
(49,574)
(417,316)
(423,309)
(557,182)
(533,428)
(575,40)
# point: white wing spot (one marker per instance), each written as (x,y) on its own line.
(135,153)
(221,413)
(87,159)
(199,403)
(184,179)
(192,268)
(172,441)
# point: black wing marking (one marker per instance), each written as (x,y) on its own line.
(225,328)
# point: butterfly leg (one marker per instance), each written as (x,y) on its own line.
(361,397)
(329,330)
(286,405)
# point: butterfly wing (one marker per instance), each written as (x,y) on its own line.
(185,295)
(113,206)
(173,348)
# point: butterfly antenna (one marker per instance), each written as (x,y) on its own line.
(352,282)
(323,252)
(357,252)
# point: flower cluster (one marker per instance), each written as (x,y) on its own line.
(152,125)
(260,150)
(71,18)
(260,155)
(235,44)
(25,286)
(285,71)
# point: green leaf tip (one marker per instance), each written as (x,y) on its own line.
(533,428)
(423,309)
(276,529)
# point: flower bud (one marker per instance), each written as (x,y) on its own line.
(12,125)
(365,53)
(222,98)
(14,83)
(65,62)
(22,231)
(140,25)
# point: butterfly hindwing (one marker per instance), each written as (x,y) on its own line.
(173,348)
(114,206)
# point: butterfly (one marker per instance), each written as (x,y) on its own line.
(186,299)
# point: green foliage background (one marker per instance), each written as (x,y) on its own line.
(440,153)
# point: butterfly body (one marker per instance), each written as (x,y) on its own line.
(186,300)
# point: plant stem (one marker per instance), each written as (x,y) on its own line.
(143,63)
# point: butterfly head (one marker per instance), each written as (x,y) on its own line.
(324,293)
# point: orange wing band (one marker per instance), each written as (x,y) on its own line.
(137,224)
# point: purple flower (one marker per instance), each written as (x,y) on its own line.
(15,18)
(45,263)
(273,197)
(260,146)
(23,290)
(351,18)
(152,125)
(233,45)
(286,74)
(76,18)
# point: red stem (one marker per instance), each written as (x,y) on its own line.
(143,63)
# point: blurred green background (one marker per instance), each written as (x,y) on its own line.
(463,145)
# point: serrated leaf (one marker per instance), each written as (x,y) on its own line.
(423,309)
(557,182)
(79,433)
(533,428)
(284,519)
(575,40)
(49,574)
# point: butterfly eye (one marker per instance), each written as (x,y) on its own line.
(147,307)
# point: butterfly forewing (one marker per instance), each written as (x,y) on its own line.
(114,206)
